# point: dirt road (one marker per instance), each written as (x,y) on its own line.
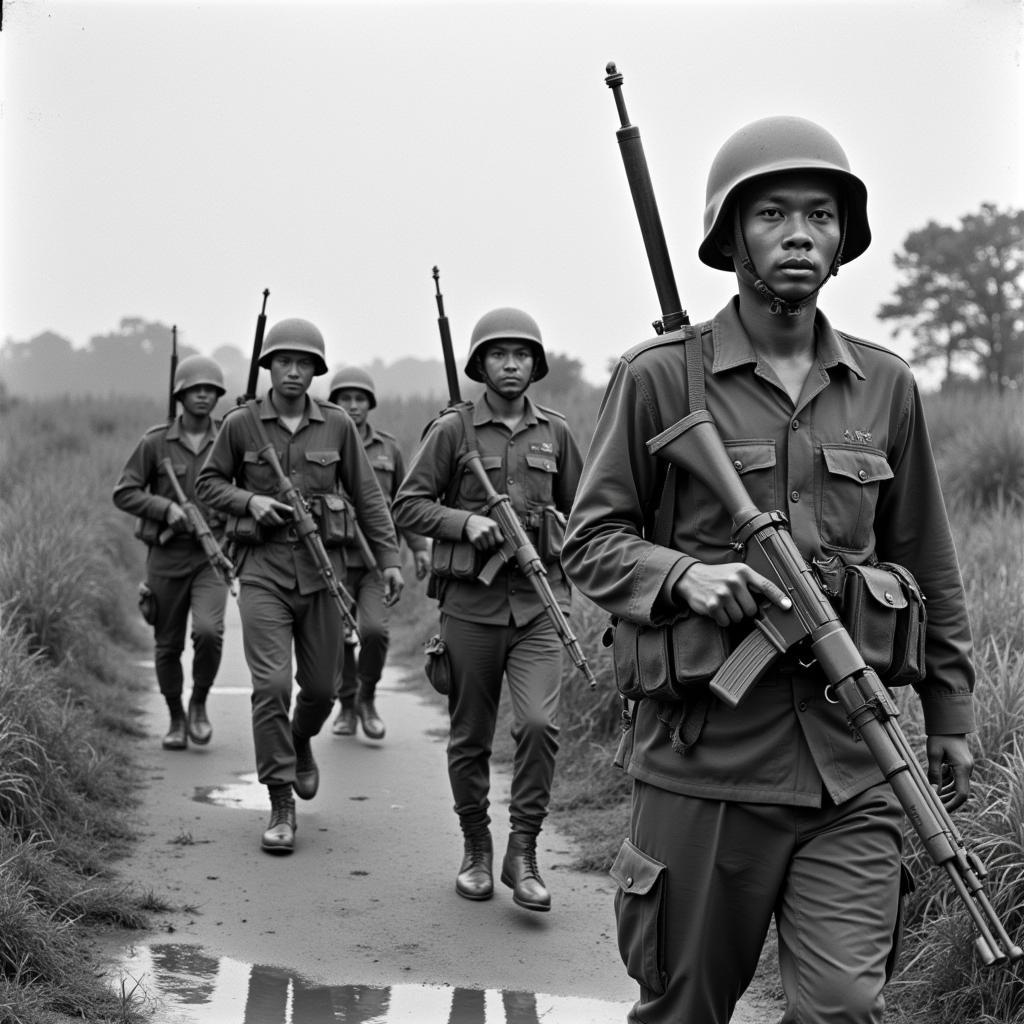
(367,902)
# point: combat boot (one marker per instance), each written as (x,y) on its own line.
(307,774)
(345,722)
(519,872)
(177,734)
(279,836)
(372,723)
(474,881)
(199,729)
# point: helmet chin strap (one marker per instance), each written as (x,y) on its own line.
(777,305)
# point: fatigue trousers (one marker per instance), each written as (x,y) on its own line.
(359,674)
(203,594)
(712,874)
(273,619)
(530,658)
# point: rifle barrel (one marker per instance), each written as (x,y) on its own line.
(171,406)
(450,369)
(257,345)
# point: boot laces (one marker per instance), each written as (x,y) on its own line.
(282,810)
(477,848)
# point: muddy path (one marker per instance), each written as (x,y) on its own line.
(364,913)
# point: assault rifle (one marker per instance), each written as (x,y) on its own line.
(257,345)
(172,406)
(515,548)
(694,445)
(199,527)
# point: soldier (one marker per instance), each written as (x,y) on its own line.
(499,629)
(353,389)
(284,600)
(179,577)
(772,808)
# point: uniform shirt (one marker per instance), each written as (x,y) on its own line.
(537,464)
(324,456)
(385,457)
(144,490)
(851,466)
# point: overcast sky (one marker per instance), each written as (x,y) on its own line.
(172,160)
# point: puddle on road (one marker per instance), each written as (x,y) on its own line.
(246,793)
(184,984)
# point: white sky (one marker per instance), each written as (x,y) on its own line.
(172,160)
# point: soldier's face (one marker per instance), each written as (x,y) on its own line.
(199,400)
(291,373)
(792,228)
(355,402)
(508,366)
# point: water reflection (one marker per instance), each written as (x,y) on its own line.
(189,986)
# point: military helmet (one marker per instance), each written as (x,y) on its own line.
(195,370)
(353,377)
(771,146)
(294,335)
(506,324)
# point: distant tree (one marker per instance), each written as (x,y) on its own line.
(961,295)
(44,365)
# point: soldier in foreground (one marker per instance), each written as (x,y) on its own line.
(180,579)
(354,390)
(289,445)
(501,629)
(773,807)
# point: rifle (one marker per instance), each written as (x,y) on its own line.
(254,360)
(515,548)
(199,527)
(305,527)
(769,549)
(172,407)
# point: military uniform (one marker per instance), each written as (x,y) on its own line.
(177,572)
(283,596)
(502,628)
(360,674)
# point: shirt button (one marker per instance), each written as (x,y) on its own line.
(795,424)
(510,481)
(861,475)
(629,882)
(794,496)
(802,706)
(738,465)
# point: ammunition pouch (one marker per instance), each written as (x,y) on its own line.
(148,531)
(664,662)
(883,610)
(244,531)
(455,560)
(550,535)
(438,667)
(147,603)
(335,520)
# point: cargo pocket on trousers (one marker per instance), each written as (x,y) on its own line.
(639,916)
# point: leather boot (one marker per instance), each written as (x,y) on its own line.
(307,774)
(177,734)
(474,881)
(345,722)
(279,836)
(199,728)
(519,872)
(372,723)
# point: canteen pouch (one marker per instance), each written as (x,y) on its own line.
(335,520)
(455,560)
(883,611)
(550,535)
(438,667)
(663,662)
(147,604)
(243,531)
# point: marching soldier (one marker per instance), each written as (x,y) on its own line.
(354,390)
(502,629)
(285,599)
(179,577)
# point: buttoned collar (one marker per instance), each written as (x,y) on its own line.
(732,345)
(372,437)
(483,413)
(175,431)
(310,414)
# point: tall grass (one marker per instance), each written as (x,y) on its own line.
(67,705)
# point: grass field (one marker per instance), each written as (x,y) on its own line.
(69,632)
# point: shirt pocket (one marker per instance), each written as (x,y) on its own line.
(471,492)
(384,468)
(540,476)
(640,915)
(849,493)
(257,474)
(320,470)
(755,461)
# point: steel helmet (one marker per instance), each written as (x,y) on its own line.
(194,370)
(506,324)
(294,335)
(353,377)
(770,146)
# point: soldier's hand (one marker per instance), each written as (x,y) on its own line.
(726,593)
(950,763)
(393,585)
(421,561)
(268,511)
(483,532)
(176,517)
